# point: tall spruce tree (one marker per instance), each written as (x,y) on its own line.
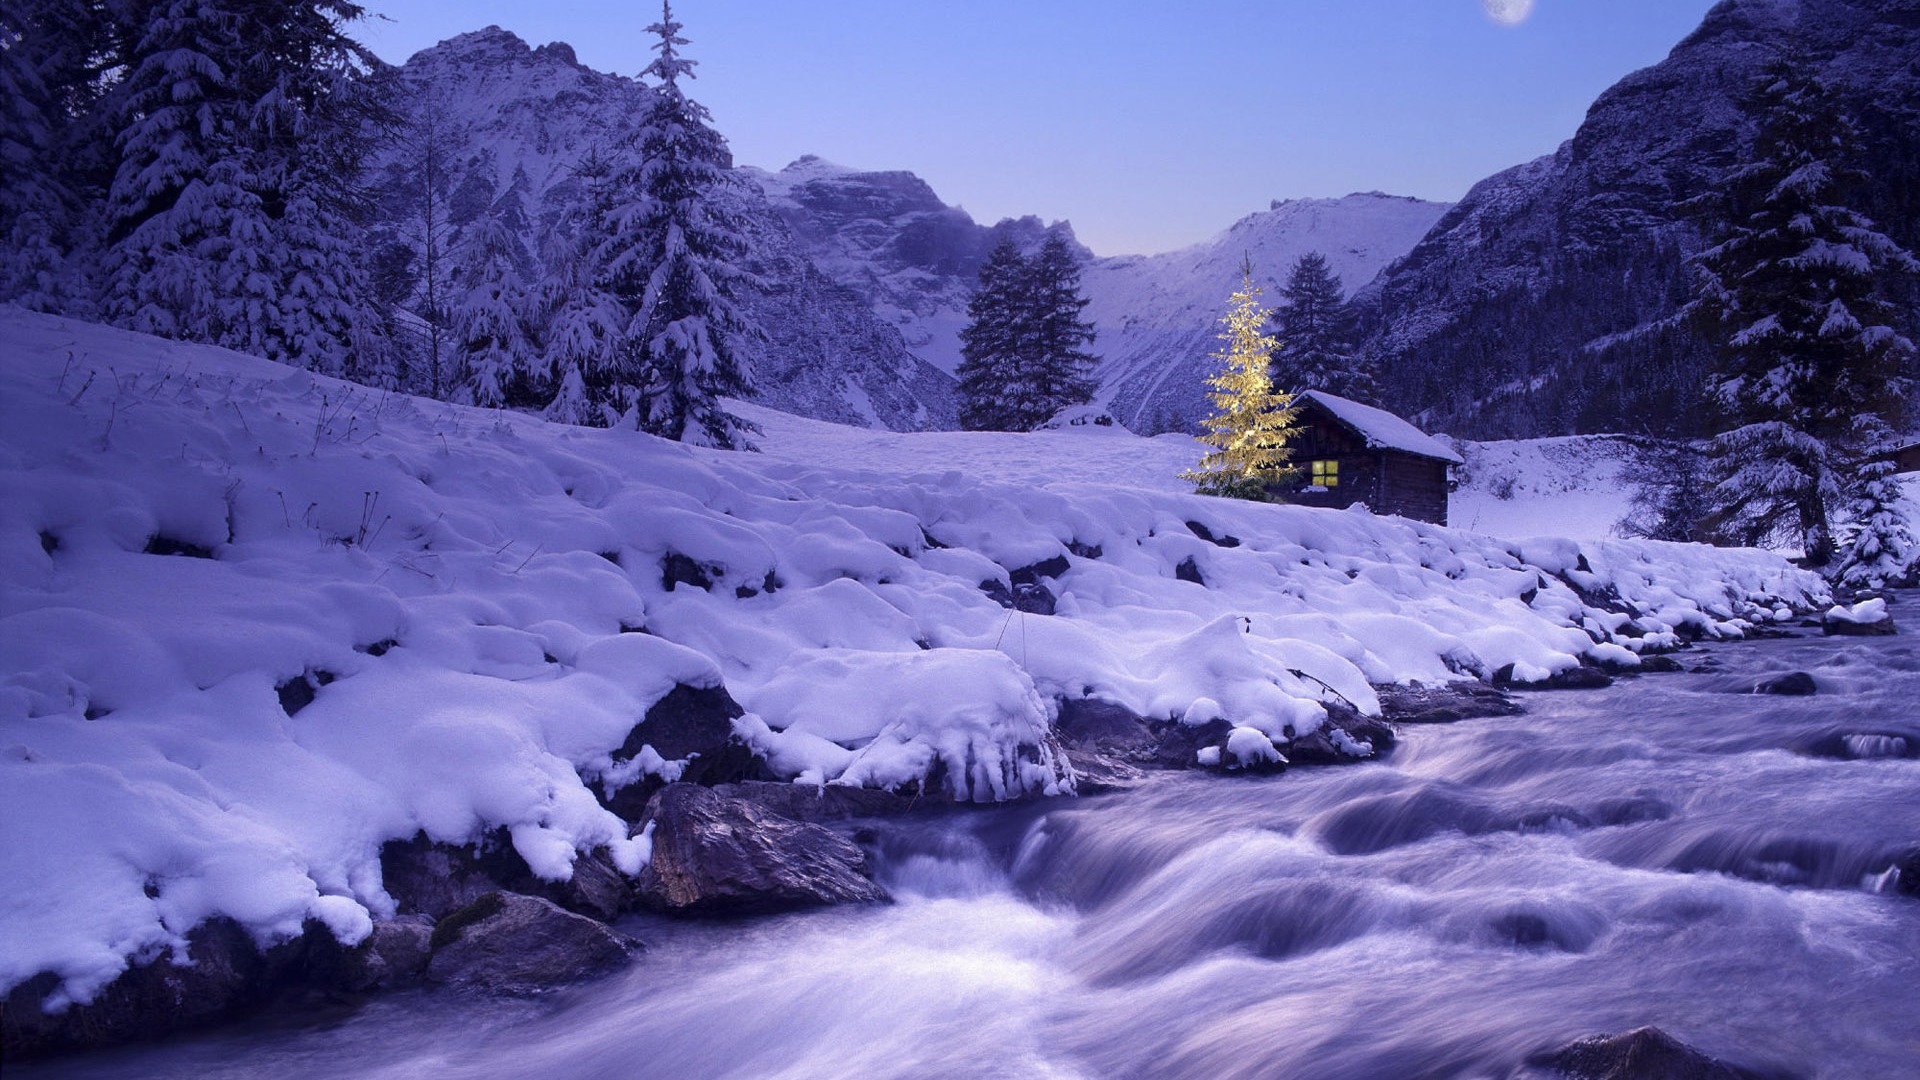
(1810,372)
(492,310)
(1058,369)
(993,343)
(672,257)
(1024,349)
(1315,350)
(50,57)
(1252,424)
(582,324)
(231,213)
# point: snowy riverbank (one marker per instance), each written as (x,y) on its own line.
(258,623)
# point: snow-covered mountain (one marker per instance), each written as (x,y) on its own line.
(889,237)
(1539,304)
(517,120)
(1158,315)
(864,276)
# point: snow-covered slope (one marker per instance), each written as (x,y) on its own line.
(1575,486)
(517,121)
(185,533)
(889,238)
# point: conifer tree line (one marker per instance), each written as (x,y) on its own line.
(1811,383)
(1024,351)
(193,169)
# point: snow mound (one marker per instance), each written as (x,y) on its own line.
(256,623)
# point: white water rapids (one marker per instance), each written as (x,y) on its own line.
(1670,851)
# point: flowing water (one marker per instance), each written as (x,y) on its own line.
(1672,851)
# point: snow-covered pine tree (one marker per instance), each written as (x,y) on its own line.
(1059,367)
(993,344)
(1808,359)
(1252,424)
(672,257)
(232,212)
(1876,542)
(492,307)
(582,326)
(49,81)
(1315,352)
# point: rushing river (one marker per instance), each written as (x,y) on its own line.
(1672,851)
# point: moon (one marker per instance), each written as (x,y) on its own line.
(1508,12)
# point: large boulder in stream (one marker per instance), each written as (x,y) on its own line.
(1792,684)
(1868,618)
(521,944)
(1468,699)
(718,855)
(1584,677)
(1643,1054)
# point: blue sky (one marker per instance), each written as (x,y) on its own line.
(1148,125)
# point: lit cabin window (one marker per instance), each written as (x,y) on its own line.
(1326,474)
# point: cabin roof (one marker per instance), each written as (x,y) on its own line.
(1382,430)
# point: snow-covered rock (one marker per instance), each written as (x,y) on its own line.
(479,611)
(1868,618)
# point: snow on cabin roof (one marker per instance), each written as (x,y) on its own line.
(1382,429)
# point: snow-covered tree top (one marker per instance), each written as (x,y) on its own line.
(669,66)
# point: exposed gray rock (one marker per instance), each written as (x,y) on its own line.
(1319,748)
(691,723)
(1464,700)
(1643,1054)
(1093,723)
(1792,684)
(521,944)
(394,954)
(434,879)
(713,854)
(225,974)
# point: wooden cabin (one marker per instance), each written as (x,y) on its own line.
(1905,459)
(1352,453)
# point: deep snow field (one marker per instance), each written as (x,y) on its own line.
(186,533)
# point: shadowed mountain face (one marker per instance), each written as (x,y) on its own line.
(516,121)
(1543,303)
